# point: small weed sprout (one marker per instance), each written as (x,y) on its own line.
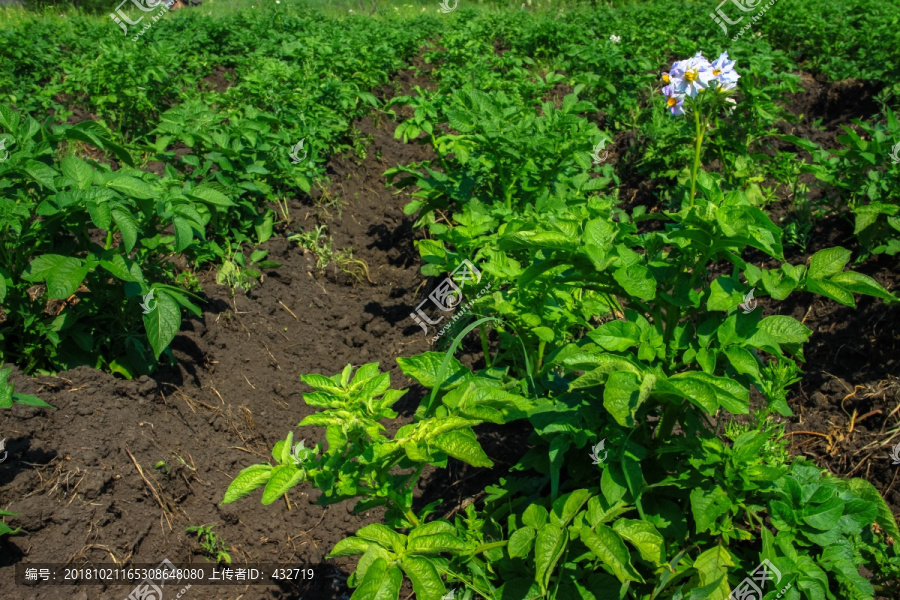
(212,545)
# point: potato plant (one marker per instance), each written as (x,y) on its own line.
(631,330)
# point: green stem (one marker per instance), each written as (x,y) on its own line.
(411,517)
(484,346)
(672,318)
(439,155)
(486,547)
(698,145)
(670,415)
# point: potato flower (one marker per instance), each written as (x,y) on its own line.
(674,100)
(692,75)
(724,73)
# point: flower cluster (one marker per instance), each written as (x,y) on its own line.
(694,75)
(615,39)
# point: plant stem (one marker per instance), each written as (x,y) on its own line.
(410,517)
(486,547)
(667,423)
(484,346)
(439,155)
(699,143)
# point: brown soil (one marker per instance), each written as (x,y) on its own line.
(219,80)
(234,393)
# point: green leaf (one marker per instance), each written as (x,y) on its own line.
(424,368)
(785,330)
(643,536)
(247,480)
(743,361)
(210,195)
(184,235)
(435,537)
(613,484)
(41,173)
(7,530)
(426,582)
(283,478)
(263,226)
(637,281)
(730,395)
(77,170)
(830,290)
(608,546)
(712,566)
(621,397)
(351,546)
(463,446)
(694,389)
(536,240)
(559,445)
(29,400)
(724,294)
(566,507)
(384,536)
(381,582)
(521,542)
(63,274)
(545,334)
(867,491)
(616,336)
(824,516)
(708,506)
(535,515)
(100,212)
(127,225)
(163,322)
(861,284)
(132,187)
(748,444)
(123,268)
(549,545)
(828,262)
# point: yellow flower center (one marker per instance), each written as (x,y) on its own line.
(665,78)
(690,75)
(716,72)
(672,101)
